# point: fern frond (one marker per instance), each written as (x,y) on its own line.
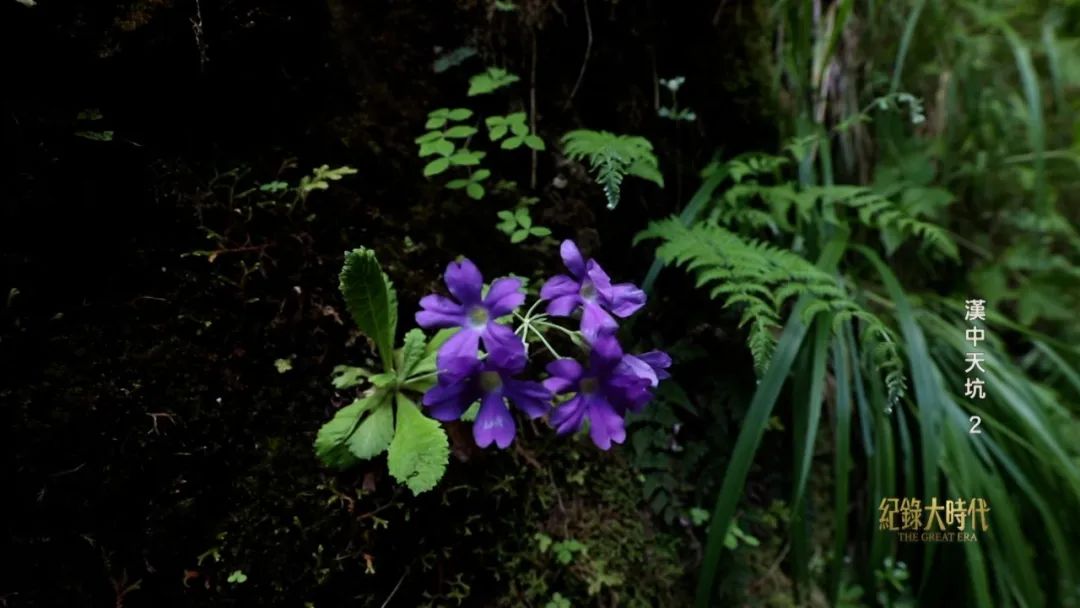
(753,275)
(759,279)
(611,157)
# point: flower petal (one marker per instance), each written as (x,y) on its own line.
(500,337)
(572,258)
(623,299)
(635,366)
(529,397)
(506,361)
(493,422)
(559,285)
(659,361)
(454,368)
(463,344)
(464,280)
(597,275)
(568,369)
(563,306)
(605,352)
(449,401)
(596,322)
(567,417)
(605,425)
(558,385)
(504,296)
(627,393)
(439,312)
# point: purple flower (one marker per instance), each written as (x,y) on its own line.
(472,313)
(464,380)
(605,391)
(589,287)
(651,366)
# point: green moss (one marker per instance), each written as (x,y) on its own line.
(584,535)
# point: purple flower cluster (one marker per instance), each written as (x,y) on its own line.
(589,288)
(602,393)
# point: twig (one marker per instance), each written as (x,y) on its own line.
(395,589)
(588,50)
(529,458)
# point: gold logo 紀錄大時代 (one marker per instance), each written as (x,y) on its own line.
(949,521)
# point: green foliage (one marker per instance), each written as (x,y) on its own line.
(611,157)
(518,225)
(735,535)
(760,279)
(448,142)
(473,184)
(358,431)
(490,80)
(418,449)
(88,120)
(750,204)
(439,141)
(564,550)
(321,177)
(499,126)
(371,300)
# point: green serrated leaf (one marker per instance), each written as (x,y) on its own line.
(375,431)
(383,379)
(419,451)
(497,132)
(519,236)
(539,231)
(436,167)
(371,300)
(346,376)
(435,123)
(519,128)
(480,175)
(511,143)
(457,184)
(412,352)
(337,444)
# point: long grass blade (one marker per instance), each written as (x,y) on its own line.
(905,43)
(841,459)
(753,427)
